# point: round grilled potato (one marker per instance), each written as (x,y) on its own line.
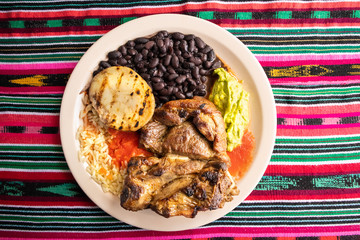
(122,99)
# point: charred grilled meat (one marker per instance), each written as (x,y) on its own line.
(190,170)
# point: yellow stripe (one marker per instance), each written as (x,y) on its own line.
(36,81)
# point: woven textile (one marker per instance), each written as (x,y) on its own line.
(310,51)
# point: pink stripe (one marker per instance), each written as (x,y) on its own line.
(315,80)
(32,66)
(32,90)
(29,119)
(316,132)
(314,110)
(306,57)
(319,115)
(280,63)
(319,126)
(32,138)
(42,68)
(208,232)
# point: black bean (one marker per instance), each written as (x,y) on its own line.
(206,49)
(177,36)
(211,56)
(195,72)
(145,76)
(160,43)
(201,87)
(131,51)
(130,43)
(164,99)
(153,62)
(189,95)
(161,67)
(203,72)
(189,37)
(197,61)
(149,44)
(202,93)
(189,65)
(191,46)
(139,47)
(123,50)
(167,42)
(203,79)
(138,57)
(175,61)
(187,55)
(144,52)
(180,95)
(178,52)
(105,64)
(170,69)
(158,86)
(183,46)
(141,40)
(122,61)
(156,79)
(180,79)
(204,57)
(171,83)
(207,64)
(216,64)
(113,62)
(167,60)
(173,76)
(114,54)
(199,43)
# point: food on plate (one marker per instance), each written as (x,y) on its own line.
(232,100)
(175,65)
(180,125)
(176,185)
(190,170)
(122,99)
(151,133)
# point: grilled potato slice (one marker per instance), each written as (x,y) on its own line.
(122,99)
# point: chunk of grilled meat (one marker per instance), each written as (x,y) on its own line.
(176,186)
(189,127)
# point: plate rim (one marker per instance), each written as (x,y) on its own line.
(69,97)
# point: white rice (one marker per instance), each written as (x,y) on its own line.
(93,137)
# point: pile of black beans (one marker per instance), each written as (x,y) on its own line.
(175,65)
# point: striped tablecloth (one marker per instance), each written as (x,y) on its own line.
(310,51)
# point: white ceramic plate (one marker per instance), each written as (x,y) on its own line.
(227,47)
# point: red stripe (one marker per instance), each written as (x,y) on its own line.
(32,138)
(31,120)
(33,90)
(313,170)
(304,194)
(38,176)
(315,110)
(56,14)
(286,63)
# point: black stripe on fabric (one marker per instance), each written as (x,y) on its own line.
(49,130)
(350,237)
(318,99)
(307,238)
(341,14)
(349,120)
(110,21)
(26,157)
(35,24)
(320,146)
(45,211)
(224,15)
(46,80)
(26,109)
(54,96)
(316,86)
(264,238)
(72,22)
(14,129)
(300,15)
(263,15)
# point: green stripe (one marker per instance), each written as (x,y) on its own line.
(293,213)
(20,148)
(34,165)
(42,57)
(303,49)
(328,91)
(30,100)
(317,140)
(314,157)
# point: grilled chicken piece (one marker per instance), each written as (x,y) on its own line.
(189,127)
(146,176)
(176,186)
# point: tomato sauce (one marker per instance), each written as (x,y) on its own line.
(124,145)
(242,156)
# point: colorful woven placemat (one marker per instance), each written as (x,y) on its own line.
(310,51)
